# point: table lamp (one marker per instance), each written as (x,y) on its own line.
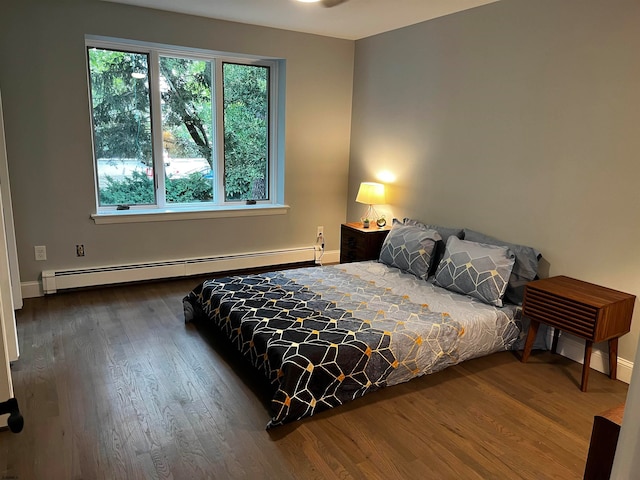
(370,193)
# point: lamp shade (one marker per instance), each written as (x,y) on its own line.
(371,193)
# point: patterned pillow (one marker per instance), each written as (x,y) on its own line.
(445,233)
(476,269)
(524,270)
(409,248)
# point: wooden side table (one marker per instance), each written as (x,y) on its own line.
(358,244)
(582,309)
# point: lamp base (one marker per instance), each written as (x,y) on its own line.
(370,215)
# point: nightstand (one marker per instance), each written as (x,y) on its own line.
(358,244)
(582,309)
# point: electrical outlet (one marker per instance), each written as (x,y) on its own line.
(41,252)
(320,231)
(79,250)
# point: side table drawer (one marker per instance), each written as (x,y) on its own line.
(351,250)
(566,314)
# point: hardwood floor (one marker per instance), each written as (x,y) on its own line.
(113,385)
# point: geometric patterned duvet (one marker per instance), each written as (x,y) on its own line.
(326,335)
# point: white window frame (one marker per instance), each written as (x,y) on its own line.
(218,207)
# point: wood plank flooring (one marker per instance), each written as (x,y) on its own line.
(113,385)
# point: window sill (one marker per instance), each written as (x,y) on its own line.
(171,214)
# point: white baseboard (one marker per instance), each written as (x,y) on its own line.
(573,348)
(31,289)
(330,257)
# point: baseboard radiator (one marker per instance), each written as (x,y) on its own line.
(54,280)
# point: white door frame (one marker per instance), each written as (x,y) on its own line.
(10,290)
(6,385)
(8,218)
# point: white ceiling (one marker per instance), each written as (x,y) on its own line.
(352,20)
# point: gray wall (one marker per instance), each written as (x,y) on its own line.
(43,81)
(518,119)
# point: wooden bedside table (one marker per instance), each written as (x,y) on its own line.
(582,309)
(358,244)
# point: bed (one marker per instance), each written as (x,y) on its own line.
(327,335)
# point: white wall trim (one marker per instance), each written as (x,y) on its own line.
(7,212)
(139,215)
(573,348)
(331,257)
(31,289)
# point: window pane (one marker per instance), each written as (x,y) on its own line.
(246,132)
(185,87)
(122,126)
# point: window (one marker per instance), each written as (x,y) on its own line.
(178,128)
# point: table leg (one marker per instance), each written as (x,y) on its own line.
(556,335)
(531,336)
(586,366)
(613,358)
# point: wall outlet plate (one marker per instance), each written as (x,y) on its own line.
(40,252)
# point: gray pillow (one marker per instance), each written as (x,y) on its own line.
(524,270)
(475,269)
(445,233)
(409,248)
